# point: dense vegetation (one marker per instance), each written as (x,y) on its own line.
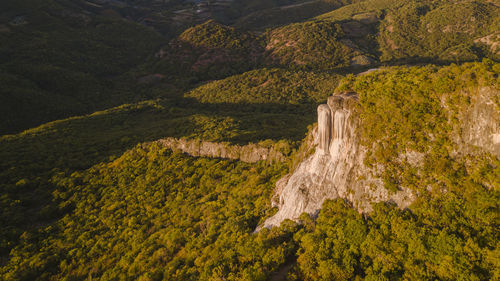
(313,45)
(444,32)
(89,196)
(209,51)
(418,109)
(207,209)
(58,61)
(72,55)
(29,159)
(152,214)
(268,86)
(286,14)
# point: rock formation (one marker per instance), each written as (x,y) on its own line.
(480,123)
(249,153)
(335,169)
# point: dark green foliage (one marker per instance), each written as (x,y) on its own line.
(310,45)
(332,250)
(294,12)
(90,198)
(348,12)
(29,159)
(437,31)
(210,51)
(268,86)
(213,35)
(59,61)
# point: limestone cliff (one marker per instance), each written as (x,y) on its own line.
(247,153)
(479,124)
(335,169)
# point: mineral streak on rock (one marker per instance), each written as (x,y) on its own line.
(335,170)
(324,128)
(249,153)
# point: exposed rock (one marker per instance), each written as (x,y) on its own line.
(336,169)
(324,128)
(250,153)
(480,124)
(492,41)
(150,79)
(361,60)
(4,28)
(19,20)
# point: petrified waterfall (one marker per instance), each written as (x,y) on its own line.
(324,128)
(335,169)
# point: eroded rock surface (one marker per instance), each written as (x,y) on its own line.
(480,123)
(335,169)
(250,153)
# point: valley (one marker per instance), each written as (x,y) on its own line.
(249,140)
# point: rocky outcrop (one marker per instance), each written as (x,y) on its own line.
(336,168)
(250,153)
(480,123)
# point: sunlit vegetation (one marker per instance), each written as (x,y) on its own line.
(210,51)
(392,244)
(91,196)
(417,109)
(310,45)
(286,14)
(438,31)
(349,12)
(268,86)
(152,214)
(29,159)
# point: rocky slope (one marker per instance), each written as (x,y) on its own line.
(480,126)
(337,167)
(249,153)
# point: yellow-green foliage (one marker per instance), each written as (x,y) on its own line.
(153,214)
(210,51)
(86,198)
(213,35)
(287,14)
(265,86)
(29,159)
(442,31)
(392,244)
(450,232)
(309,45)
(60,62)
(360,7)
(415,109)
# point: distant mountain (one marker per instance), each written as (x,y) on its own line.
(60,59)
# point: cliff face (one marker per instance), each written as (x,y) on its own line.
(249,153)
(335,169)
(480,123)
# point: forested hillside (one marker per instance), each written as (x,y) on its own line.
(87,192)
(170,216)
